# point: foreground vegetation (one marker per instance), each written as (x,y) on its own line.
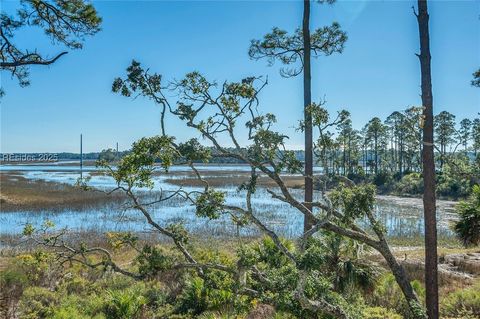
(323,273)
(327,272)
(35,285)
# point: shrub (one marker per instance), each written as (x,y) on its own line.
(12,278)
(200,295)
(76,285)
(12,284)
(39,267)
(123,304)
(452,186)
(72,312)
(467,227)
(456,178)
(383,179)
(388,295)
(410,184)
(37,303)
(216,315)
(155,295)
(464,303)
(358,175)
(193,298)
(379,313)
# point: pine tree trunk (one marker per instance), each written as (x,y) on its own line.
(400,155)
(431,280)
(307,100)
(376,155)
(349,162)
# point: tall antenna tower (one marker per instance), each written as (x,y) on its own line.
(81,157)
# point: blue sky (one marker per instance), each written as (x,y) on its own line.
(377,74)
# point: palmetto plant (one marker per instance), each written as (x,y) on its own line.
(123,304)
(468,227)
(345,264)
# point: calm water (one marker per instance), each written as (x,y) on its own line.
(403,217)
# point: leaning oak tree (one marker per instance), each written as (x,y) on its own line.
(64,21)
(288,49)
(428,161)
(295,276)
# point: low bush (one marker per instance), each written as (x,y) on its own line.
(410,184)
(383,179)
(12,284)
(463,303)
(452,186)
(123,304)
(467,227)
(379,313)
(457,177)
(389,296)
(37,303)
(39,267)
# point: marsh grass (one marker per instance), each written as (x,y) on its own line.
(21,194)
(29,198)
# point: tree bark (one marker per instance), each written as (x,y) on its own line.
(307,100)
(376,154)
(401,278)
(400,155)
(349,161)
(431,280)
(397,269)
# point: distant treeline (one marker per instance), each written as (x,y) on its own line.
(106,154)
(112,155)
